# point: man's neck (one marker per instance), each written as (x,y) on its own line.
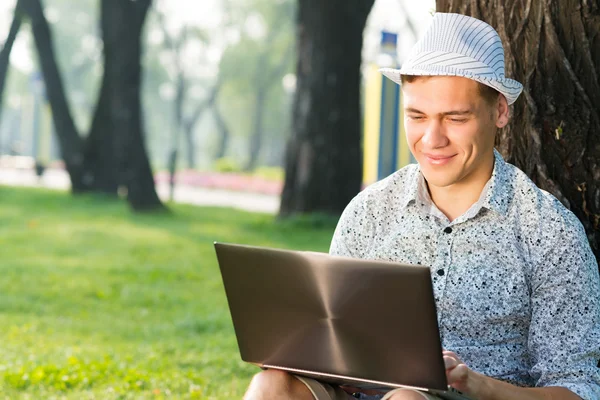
(454,200)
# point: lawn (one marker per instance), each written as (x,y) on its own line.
(100,303)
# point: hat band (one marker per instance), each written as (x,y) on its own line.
(453,63)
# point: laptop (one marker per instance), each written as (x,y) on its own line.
(361,323)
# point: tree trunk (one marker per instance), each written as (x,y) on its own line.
(100,164)
(122,23)
(190,148)
(264,79)
(177,126)
(324,162)
(224,133)
(190,123)
(68,137)
(181,126)
(113,154)
(5,52)
(90,163)
(256,135)
(190,145)
(554,135)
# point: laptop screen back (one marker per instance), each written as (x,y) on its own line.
(369,320)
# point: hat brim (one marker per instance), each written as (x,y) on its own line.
(509,88)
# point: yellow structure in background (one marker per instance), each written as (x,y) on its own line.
(384,144)
(371,129)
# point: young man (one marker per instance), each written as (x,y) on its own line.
(515,282)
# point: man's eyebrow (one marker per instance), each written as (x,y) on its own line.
(453,112)
(457,112)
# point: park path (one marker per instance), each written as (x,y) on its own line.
(58,179)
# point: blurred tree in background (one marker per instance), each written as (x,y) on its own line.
(323,166)
(219,88)
(554,135)
(253,69)
(112,157)
(5,53)
(227,108)
(119,107)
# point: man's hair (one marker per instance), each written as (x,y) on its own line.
(489,94)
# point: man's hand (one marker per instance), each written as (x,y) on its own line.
(460,377)
(481,387)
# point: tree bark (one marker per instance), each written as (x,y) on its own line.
(100,163)
(324,163)
(5,52)
(69,141)
(553,48)
(122,23)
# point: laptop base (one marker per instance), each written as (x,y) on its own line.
(366,384)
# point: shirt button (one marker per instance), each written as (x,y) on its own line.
(448,230)
(440,272)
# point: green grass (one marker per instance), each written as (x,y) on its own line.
(100,303)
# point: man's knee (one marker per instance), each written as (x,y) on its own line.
(407,394)
(274,385)
(272,378)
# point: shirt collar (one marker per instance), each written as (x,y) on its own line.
(413,184)
(494,196)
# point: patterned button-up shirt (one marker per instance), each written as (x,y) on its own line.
(515,282)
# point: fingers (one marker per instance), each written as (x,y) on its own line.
(456,370)
(451,362)
(450,354)
(451,359)
(459,376)
(460,373)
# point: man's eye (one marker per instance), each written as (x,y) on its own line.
(458,120)
(415,117)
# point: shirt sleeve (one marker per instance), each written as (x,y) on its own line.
(564,336)
(353,233)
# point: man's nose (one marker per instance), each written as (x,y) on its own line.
(434,136)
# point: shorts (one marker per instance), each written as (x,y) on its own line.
(324,391)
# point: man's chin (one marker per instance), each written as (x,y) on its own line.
(438,179)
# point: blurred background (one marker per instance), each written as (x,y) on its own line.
(218,82)
(114,106)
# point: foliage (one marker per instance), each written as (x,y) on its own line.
(100,303)
(227,164)
(259,60)
(78,50)
(270,173)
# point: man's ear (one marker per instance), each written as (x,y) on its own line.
(502,112)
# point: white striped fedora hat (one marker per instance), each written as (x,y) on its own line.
(458,45)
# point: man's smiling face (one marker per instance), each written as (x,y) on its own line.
(451,128)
